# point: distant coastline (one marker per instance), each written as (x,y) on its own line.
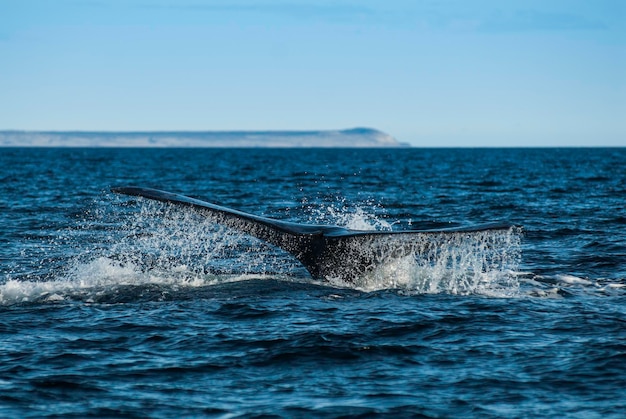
(348,138)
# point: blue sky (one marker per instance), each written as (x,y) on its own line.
(431,73)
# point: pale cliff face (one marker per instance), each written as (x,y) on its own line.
(357,137)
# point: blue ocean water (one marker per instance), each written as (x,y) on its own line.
(118,306)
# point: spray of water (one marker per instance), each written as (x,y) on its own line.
(158,244)
(181,243)
(341,212)
(453,263)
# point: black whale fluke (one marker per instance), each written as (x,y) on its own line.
(326,251)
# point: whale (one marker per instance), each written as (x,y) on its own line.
(328,252)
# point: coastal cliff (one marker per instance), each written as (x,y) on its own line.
(349,138)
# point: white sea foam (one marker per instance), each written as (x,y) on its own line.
(101,277)
(571,279)
(81,279)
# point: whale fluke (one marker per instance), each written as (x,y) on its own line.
(326,251)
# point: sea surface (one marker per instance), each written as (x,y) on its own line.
(114,306)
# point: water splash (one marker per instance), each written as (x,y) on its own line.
(167,238)
(120,246)
(154,244)
(457,263)
(104,279)
(341,212)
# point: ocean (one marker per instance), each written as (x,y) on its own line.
(117,306)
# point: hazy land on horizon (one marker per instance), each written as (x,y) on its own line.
(356,137)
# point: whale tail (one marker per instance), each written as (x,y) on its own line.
(326,251)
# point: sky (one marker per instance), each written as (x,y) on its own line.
(445,73)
